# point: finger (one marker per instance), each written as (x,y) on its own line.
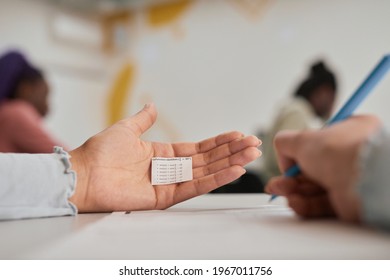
(286,186)
(190,149)
(208,183)
(240,158)
(281,186)
(224,151)
(311,207)
(309,188)
(143,120)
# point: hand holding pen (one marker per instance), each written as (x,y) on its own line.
(331,165)
(352,103)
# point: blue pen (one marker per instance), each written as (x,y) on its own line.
(352,103)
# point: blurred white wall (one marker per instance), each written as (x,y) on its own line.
(229,72)
(225,72)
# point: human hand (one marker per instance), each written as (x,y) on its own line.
(329,162)
(113,167)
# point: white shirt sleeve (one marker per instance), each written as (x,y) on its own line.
(36,185)
(374,185)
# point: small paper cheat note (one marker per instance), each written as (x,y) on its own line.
(171,170)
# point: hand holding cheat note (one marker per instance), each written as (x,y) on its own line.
(120,164)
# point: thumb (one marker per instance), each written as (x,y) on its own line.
(143,120)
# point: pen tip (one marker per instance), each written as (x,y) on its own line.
(272,198)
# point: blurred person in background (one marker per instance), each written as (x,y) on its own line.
(23,104)
(310,107)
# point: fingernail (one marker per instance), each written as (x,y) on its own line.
(147,105)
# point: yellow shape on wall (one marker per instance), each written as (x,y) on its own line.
(166,13)
(252,9)
(120,93)
(110,23)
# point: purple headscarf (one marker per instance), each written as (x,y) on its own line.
(13,65)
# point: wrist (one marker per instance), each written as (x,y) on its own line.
(79,198)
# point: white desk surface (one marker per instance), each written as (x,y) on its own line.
(215,226)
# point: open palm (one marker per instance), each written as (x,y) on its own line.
(113,166)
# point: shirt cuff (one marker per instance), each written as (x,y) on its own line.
(69,179)
(36,185)
(373,185)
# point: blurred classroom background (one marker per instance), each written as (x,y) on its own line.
(209,66)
